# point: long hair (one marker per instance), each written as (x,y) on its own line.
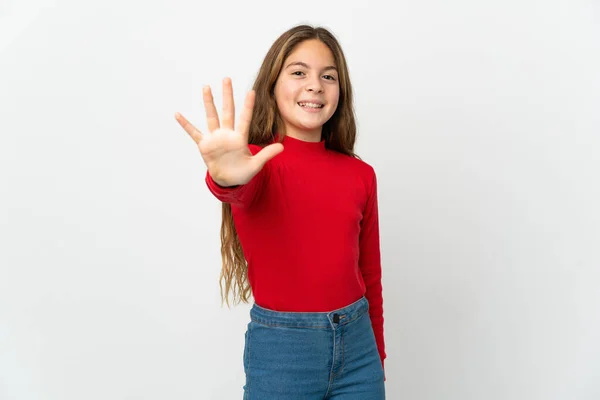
(339,133)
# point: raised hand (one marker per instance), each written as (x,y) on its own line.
(225,149)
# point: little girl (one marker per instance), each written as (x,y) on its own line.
(300,229)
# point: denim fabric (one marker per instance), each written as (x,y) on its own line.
(312,355)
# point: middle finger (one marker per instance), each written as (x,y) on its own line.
(228,106)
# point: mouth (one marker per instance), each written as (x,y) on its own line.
(310,105)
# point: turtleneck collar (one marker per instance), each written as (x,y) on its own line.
(291,143)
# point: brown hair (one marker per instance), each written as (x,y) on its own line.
(339,133)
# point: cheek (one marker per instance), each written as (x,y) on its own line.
(334,94)
(281,98)
(291,92)
(335,99)
(285,89)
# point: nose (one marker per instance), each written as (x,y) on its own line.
(315,86)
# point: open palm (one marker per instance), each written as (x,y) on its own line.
(225,149)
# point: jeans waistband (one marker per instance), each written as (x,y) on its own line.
(325,319)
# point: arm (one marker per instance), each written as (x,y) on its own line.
(239,195)
(370,266)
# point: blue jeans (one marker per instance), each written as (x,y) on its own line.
(312,355)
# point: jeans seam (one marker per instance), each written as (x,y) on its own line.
(331,375)
(248,361)
(343,355)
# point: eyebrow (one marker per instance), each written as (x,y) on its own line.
(302,64)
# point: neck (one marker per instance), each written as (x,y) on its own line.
(305,136)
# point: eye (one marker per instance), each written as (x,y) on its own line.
(297,72)
(331,77)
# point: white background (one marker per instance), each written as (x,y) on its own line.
(482,120)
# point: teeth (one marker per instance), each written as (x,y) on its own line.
(311,105)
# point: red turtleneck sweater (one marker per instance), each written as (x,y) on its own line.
(308,225)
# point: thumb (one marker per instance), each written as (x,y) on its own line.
(267,153)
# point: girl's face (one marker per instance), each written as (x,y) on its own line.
(307,90)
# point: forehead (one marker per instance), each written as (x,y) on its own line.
(313,52)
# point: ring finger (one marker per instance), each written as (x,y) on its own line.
(212,118)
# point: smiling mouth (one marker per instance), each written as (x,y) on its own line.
(311,105)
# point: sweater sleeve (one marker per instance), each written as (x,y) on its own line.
(239,195)
(370,266)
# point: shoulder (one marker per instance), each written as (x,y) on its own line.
(356,165)
(364,171)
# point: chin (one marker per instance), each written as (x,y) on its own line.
(311,127)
